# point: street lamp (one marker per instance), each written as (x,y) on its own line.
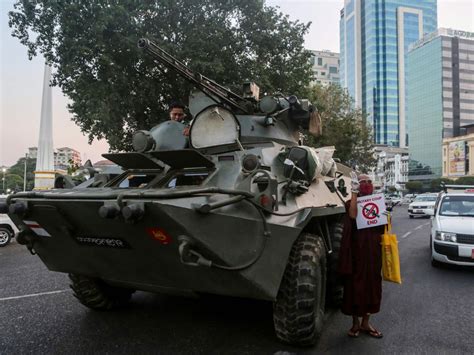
(24,173)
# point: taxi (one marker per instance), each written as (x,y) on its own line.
(452,227)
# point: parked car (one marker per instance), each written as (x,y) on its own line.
(452,228)
(7,229)
(422,205)
(409,198)
(392,200)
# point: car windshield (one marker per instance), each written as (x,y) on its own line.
(425,198)
(457,206)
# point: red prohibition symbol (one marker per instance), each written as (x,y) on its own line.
(370,210)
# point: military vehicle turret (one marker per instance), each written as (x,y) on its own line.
(236,208)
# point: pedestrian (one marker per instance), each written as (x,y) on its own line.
(360,264)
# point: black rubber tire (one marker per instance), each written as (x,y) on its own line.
(5,236)
(335,287)
(411,216)
(298,312)
(96,294)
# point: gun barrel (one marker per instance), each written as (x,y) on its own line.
(206,85)
(143,43)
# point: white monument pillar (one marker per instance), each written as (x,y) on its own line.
(44,174)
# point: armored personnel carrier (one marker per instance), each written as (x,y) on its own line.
(237,207)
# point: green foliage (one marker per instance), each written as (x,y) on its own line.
(13,182)
(72,167)
(392,189)
(343,126)
(414,186)
(465,180)
(435,184)
(17,170)
(117,89)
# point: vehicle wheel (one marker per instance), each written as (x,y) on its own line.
(335,287)
(411,216)
(298,312)
(96,294)
(5,236)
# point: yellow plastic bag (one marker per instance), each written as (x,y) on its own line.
(390,256)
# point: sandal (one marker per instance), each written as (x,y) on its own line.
(354,332)
(374,333)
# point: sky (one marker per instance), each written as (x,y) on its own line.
(21,79)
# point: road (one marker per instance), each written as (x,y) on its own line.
(431,312)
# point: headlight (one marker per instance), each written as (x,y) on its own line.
(446,237)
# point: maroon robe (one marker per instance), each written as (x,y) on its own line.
(360,265)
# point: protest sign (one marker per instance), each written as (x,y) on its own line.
(370,211)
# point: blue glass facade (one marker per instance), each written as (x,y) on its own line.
(425,103)
(350,59)
(380,23)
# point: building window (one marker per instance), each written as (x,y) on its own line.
(333,70)
(323,73)
(320,61)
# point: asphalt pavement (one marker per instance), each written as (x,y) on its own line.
(431,312)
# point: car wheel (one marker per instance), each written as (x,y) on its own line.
(411,216)
(298,312)
(5,236)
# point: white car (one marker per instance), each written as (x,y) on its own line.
(7,230)
(452,228)
(423,205)
(409,198)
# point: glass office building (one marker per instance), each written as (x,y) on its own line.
(375,35)
(440,81)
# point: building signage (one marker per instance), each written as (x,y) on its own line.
(462,34)
(457,158)
(440,32)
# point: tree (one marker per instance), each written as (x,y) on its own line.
(465,180)
(116,89)
(19,168)
(343,126)
(13,182)
(392,189)
(72,167)
(414,186)
(435,184)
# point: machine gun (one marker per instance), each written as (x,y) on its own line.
(208,86)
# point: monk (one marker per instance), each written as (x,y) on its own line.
(360,264)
